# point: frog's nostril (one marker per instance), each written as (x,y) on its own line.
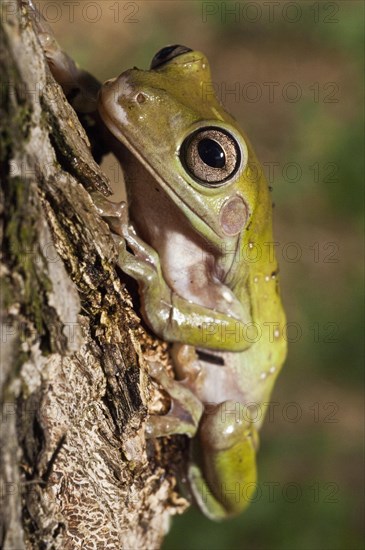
(140,98)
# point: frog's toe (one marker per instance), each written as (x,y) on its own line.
(49,44)
(120,244)
(116,213)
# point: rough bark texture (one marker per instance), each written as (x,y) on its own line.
(75,470)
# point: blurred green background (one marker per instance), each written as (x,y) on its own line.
(292,74)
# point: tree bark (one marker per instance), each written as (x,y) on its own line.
(75,469)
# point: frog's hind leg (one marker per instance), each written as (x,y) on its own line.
(185,411)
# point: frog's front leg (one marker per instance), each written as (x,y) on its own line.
(143,265)
(170,316)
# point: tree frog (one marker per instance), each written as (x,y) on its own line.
(197,237)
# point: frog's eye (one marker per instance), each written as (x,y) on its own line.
(167,54)
(211,156)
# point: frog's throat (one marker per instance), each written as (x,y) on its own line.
(194,218)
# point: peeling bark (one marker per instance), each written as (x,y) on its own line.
(75,468)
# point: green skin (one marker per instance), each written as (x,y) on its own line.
(230,282)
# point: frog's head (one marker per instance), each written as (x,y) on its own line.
(170,119)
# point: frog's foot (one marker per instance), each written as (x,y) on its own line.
(186,364)
(116,214)
(223,475)
(63,67)
(185,411)
(142,264)
(80,87)
(39,21)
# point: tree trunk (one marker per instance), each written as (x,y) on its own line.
(75,468)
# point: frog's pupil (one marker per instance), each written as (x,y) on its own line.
(211,153)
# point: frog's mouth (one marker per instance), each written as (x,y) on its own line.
(195,219)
